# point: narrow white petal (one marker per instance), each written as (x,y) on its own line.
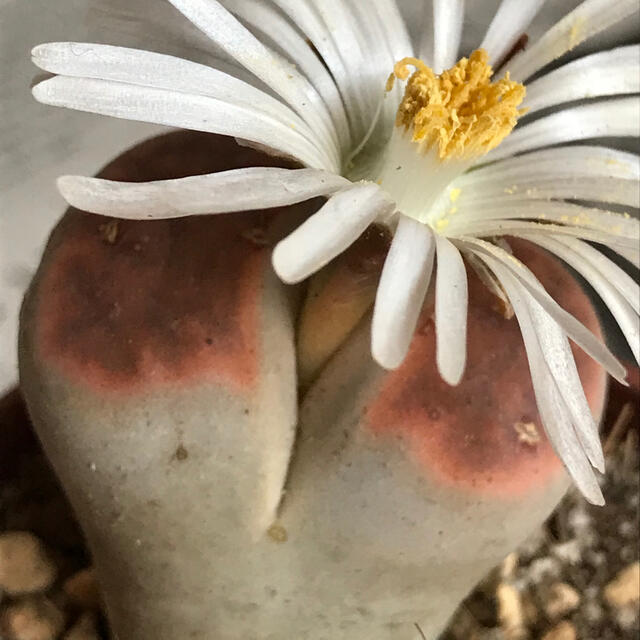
(238,42)
(452,300)
(403,286)
(532,191)
(586,20)
(607,73)
(268,20)
(395,27)
(565,162)
(489,280)
(584,338)
(620,117)
(510,22)
(562,366)
(626,316)
(248,189)
(147,69)
(386,41)
(306,19)
(177,109)
(553,410)
(590,173)
(621,280)
(330,231)
(448,18)
(614,238)
(498,214)
(368,72)
(425,45)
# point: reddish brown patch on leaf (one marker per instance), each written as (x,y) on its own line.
(466,436)
(154,303)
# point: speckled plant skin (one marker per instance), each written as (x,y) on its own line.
(158,363)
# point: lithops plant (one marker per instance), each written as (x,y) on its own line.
(342,457)
(158,361)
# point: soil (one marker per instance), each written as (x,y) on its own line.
(577,578)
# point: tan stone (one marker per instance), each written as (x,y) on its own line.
(82,590)
(83,629)
(510,611)
(33,618)
(624,590)
(24,564)
(562,599)
(563,631)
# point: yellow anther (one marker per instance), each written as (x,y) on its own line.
(460,111)
(454,194)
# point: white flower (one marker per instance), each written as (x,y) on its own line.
(404,162)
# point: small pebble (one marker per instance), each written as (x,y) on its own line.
(579,520)
(82,590)
(509,566)
(34,618)
(624,590)
(627,617)
(593,612)
(542,568)
(563,631)
(510,612)
(562,599)
(24,564)
(84,629)
(569,552)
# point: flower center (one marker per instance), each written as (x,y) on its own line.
(443,125)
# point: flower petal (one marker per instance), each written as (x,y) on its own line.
(396,31)
(330,231)
(238,42)
(509,23)
(497,215)
(621,280)
(268,20)
(586,20)
(607,73)
(614,238)
(147,69)
(565,162)
(586,340)
(403,286)
(452,299)
(553,410)
(367,72)
(579,173)
(306,19)
(620,117)
(448,18)
(177,109)
(562,366)
(253,188)
(382,24)
(626,316)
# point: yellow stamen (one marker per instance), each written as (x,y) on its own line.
(460,111)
